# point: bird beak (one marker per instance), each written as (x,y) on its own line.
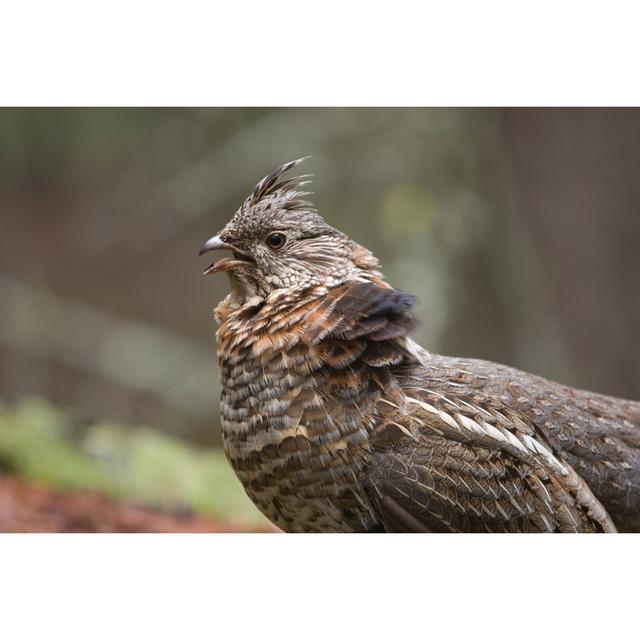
(225,264)
(212,244)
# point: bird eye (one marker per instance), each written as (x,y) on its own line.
(276,240)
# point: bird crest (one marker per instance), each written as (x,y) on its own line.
(273,184)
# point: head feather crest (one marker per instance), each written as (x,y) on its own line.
(272,183)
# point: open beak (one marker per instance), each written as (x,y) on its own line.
(226,263)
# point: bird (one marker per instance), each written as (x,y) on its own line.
(335,419)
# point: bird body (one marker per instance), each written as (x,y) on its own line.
(334,419)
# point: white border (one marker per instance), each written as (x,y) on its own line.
(459,52)
(323,586)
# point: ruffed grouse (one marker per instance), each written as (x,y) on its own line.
(334,419)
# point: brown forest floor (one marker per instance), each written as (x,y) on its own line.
(28,507)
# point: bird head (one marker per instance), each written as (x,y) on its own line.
(279,241)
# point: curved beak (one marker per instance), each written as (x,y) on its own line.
(212,244)
(225,264)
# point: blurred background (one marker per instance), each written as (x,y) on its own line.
(518,230)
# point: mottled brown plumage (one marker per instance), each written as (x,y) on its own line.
(334,419)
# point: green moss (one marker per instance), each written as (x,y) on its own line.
(42,443)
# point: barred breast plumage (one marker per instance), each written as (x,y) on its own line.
(334,419)
(295,454)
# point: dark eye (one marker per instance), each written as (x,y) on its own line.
(276,240)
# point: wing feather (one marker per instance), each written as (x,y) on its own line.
(426,474)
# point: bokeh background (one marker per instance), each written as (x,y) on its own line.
(518,230)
